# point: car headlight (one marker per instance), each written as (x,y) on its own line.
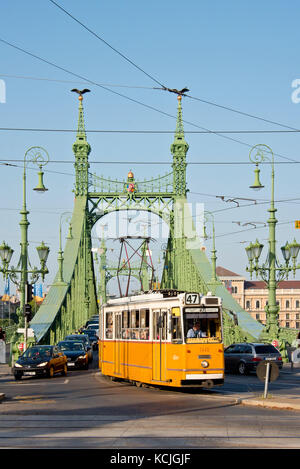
(205,364)
(17,365)
(43,364)
(81,356)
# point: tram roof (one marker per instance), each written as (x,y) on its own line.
(141,298)
(165,295)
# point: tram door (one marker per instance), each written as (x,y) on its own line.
(118,343)
(159,345)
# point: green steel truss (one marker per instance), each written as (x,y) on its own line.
(68,305)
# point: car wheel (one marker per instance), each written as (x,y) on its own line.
(65,370)
(242,370)
(51,372)
(18,376)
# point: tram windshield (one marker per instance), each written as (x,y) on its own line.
(202,326)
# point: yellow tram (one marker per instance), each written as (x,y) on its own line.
(165,338)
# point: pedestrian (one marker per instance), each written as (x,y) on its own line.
(2,334)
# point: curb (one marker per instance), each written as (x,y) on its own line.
(269,403)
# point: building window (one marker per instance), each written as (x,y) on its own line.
(287,304)
(287,324)
(297,315)
(247,304)
(257,305)
(257,316)
(287,316)
(297,325)
(297,303)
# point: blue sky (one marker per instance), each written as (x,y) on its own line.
(238,54)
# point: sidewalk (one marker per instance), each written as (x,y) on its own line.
(5,370)
(287,402)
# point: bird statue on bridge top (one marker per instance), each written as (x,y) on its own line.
(174,90)
(80,92)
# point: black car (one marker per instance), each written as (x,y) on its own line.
(85,340)
(244,357)
(75,352)
(40,360)
(92,336)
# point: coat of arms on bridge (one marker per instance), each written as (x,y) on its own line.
(130,185)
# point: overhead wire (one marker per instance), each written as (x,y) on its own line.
(129,98)
(158,82)
(119,131)
(106,43)
(72,81)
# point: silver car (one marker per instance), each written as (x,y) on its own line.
(244,358)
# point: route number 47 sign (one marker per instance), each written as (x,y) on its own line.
(192,299)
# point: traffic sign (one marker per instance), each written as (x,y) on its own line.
(297,224)
(261,370)
(22,330)
(275,343)
(21,346)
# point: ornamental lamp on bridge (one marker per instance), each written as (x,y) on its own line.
(19,275)
(270,271)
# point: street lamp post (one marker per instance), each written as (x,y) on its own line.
(271,271)
(66,216)
(19,274)
(209,216)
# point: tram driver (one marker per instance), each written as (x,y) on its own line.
(195,332)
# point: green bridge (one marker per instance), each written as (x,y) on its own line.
(72,298)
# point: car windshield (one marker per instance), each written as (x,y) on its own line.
(90,333)
(78,337)
(71,345)
(37,352)
(262,349)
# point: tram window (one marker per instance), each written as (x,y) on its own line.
(212,328)
(144,334)
(144,324)
(135,334)
(160,325)
(118,324)
(134,318)
(125,319)
(206,327)
(144,317)
(109,326)
(176,329)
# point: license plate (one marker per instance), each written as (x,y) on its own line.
(71,364)
(271,358)
(29,373)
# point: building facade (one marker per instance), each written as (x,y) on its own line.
(253,297)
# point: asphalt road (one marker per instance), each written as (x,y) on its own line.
(86,410)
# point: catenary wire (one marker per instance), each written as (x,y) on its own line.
(291,129)
(128,98)
(106,43)
(113,85)
(32,129)
(157,82)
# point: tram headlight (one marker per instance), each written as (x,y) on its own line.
(204,364)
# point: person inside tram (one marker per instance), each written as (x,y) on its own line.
(195,331)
